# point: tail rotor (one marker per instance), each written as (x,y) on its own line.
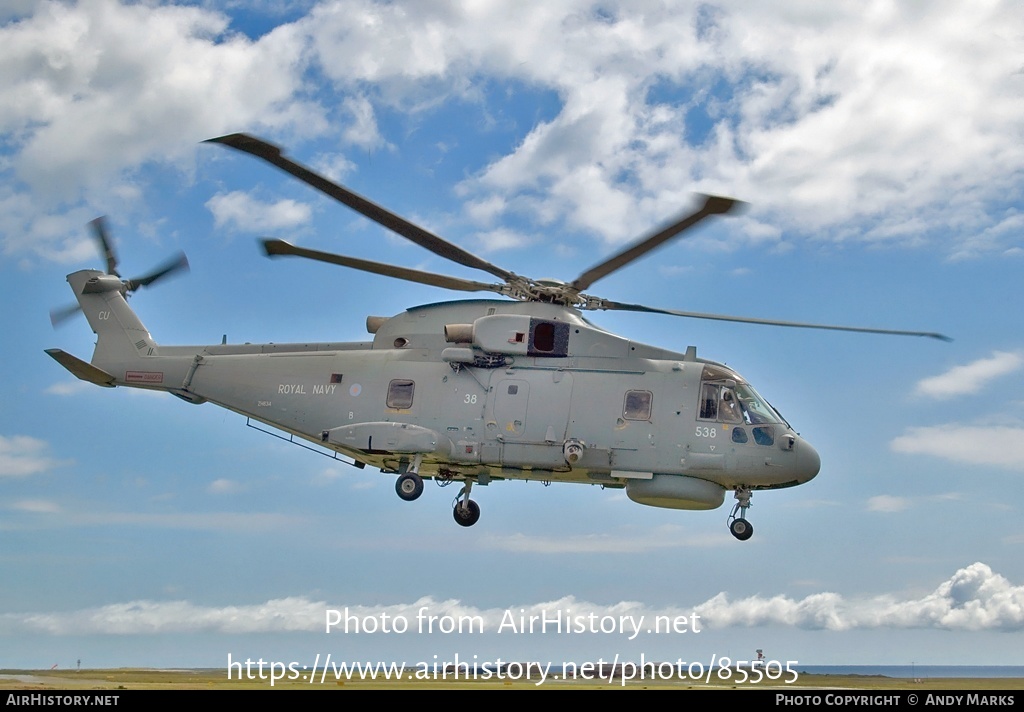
(178,263)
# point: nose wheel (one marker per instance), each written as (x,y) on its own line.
(738,524)
(741,528)
(465,511)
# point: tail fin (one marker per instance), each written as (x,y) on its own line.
(121,337)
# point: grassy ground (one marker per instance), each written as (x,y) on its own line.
(141,679)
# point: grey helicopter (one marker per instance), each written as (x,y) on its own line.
(470,392)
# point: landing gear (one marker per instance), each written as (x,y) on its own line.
(410,484)
(738,524)
(466,512)
(741,529)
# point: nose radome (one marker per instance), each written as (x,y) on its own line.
(808,463)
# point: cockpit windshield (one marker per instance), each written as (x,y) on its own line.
(726,398)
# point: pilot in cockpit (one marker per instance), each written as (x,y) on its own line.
(728,408)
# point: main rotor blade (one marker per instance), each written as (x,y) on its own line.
(99,232)
(768,322)
(277,248)
(397,224)
(713,205)
(175,264)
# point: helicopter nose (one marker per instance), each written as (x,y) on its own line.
(808,463)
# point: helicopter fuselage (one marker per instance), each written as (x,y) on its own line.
(479,391)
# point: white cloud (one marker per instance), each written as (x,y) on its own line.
(487,209)
(974,598)
(237,522)
(1001,446)
(36,506)
(839,121)
(887,503)
(662,538)
(147,617)
(502,239)
(971,378)
(327,476)
(363,131)
(993,239)
(21,455)
(334,166)
(332,476)
(224,486)
(99,85)
(68,388)
(243,212)
(96,89)
(890,125)
(890,504)
(675,270)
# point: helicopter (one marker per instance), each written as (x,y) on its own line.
(481,390)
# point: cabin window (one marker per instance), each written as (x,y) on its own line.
(400,393)
(637,405)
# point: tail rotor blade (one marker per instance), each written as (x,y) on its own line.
(176,264)
(59,316)
(102,236)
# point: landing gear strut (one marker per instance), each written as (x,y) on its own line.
(738,525)
(410,485)
(466,511)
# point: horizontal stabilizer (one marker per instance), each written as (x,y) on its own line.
(81,369)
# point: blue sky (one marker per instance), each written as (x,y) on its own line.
(880,150)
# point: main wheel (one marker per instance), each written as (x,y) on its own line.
(466,518)
(409,486)
(741,529)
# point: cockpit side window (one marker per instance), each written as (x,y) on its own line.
(726,398)
(729,407)
(709,402)
(719,402)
